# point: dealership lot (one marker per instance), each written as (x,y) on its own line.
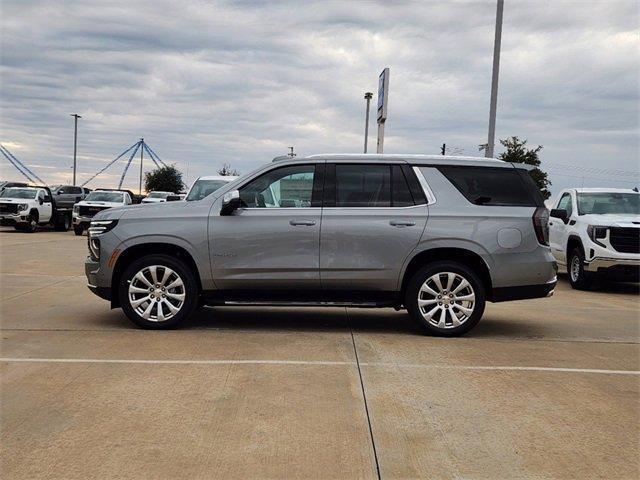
(544,388)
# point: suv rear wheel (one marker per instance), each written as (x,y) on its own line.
(158,292)
(445,298)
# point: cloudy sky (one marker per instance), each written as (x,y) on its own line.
(208,82)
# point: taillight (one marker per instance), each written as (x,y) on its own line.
(541,225)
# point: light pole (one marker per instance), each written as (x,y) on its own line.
(367,96)
(141,160)
(494,81)
(75,144)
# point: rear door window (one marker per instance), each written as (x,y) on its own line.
(363,186)
(493,186)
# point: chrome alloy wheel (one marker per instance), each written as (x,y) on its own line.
(156,293)
(446,300)
(575,268)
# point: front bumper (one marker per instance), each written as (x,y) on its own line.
(81,221)
(607,262)
(10,219)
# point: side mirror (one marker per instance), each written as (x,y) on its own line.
(230,202)
(60,192)
(40,200)
(559,213)
(173,198)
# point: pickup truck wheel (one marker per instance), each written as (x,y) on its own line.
(158,292)
(445,298)
(579,278)
(32,223)
(78,230)
(62,223)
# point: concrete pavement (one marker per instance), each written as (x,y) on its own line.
(540,389)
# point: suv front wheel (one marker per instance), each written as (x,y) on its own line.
(445,298)
(158,292)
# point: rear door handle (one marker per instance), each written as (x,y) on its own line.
(402,223)
(305,223)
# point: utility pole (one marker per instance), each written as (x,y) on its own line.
(141,160)
(494,81)
(443,148)
(367,96)
(75,144)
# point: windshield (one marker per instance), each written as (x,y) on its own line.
(202,188)
(105,197)
(18,193)
(612,202)
(158,195)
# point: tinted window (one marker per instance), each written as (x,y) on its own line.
(565,204)
(363,186)
(491,186)
(400,193)
(288,187)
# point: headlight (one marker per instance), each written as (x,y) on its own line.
(98,227)
(22,206)
(94,247)
(597,233)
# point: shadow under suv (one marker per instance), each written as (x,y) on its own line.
(436,235)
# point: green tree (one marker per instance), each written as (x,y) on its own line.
(226,170)
(517,152)
(165,179)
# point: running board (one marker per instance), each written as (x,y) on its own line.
(283,298)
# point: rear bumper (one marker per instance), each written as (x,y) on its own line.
(525,292)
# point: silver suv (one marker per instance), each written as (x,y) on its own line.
(436,235)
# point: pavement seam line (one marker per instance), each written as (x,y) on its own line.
(319,363)
(364,397)
(68,279)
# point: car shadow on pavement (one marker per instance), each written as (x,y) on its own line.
(607,286)
(302,319)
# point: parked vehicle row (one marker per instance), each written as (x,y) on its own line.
(26,208)
(436,235)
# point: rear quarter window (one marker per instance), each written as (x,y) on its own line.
(494,186)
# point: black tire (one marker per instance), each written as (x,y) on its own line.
(20,228)
(62,223)
(444,308)
(189,289)
(32,223)
(77,229)
(579,279)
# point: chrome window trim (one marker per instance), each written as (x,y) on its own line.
(431,198)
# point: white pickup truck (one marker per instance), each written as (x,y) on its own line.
(25,208)
(596,232)
(95,202)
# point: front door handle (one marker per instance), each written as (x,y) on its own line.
(402,223)
(305,223)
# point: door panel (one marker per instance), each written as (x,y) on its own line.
(558,230)
(266,248)
(272,243)
(367,229)
(364,248)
